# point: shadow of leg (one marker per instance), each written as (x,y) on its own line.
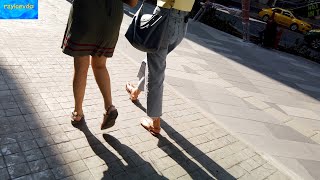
(115,166)
(187,164)
(206,162)
(137,167)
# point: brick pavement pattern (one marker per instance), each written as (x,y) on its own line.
(38,141)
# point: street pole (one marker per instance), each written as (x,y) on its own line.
(245,20)
(274,3)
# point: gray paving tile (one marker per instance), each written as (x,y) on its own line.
(10,149)
(28,145)
(62,172)
(47,174)
(287,133)
(18,170)
(312,167)
(4,174)
(33,155)
(299,112)
(14,159)
(38,165)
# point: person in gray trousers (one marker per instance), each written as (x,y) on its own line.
(152,70)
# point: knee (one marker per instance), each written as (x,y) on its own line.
(98,66)
(98,63)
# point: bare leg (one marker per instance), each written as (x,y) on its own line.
(102,78)
(81,65)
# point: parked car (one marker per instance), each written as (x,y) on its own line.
(313,38)
(285,18)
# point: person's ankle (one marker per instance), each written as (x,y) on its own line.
(136,91)
(156,121)
(79,112)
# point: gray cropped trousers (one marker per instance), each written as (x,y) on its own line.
(152,70)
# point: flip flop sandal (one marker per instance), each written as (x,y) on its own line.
(147,124)
(109,118)
(129,88)
(76,116)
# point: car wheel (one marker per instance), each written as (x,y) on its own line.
(265,18)
(315,43)
(294,27)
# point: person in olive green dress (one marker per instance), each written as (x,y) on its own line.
(91,36)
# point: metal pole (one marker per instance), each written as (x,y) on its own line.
(245,19)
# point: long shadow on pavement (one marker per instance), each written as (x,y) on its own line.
(137,169)
(187,164)
(27,149)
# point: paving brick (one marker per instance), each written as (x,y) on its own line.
(100,172)
(13,112)
(69,178)
(55,129)
(55,161)
(261,173)
(93,162)
(50,150)
(178,171)
(20,127)
(59,138)
(45,141)
(84,175)
(10,149)
(74,135)
(86,152)
(14,159)
(4,174)
(8,139)
(186,177)
(18,170)
(33,155)
(115,168)
(47,174)
(2,164)
(78,166)
(38,165)
(62,172)
(27,177)
(65,147)
(28,145)
(71,156)
(24,136)
(237,171)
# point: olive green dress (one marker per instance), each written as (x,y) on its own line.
(93,28)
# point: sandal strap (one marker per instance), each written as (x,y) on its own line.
(149,121)
(108,111)
(75,114)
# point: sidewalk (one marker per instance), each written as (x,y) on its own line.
(268,99)
(37,140)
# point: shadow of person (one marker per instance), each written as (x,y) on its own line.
(135,167)
(139,105)
(129,155)
(193,169)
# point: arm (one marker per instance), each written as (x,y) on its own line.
(131,3)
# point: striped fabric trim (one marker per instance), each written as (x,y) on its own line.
(86,47)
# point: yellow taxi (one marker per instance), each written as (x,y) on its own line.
(285,18)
